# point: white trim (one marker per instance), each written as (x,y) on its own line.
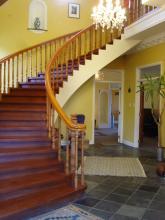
(137,100)
(110,107)
(128,143)
(92,141)
(137,109)
(122,106)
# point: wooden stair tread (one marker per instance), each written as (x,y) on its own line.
(23,203)
(16,183)
(22,128)
(27,89)
(40,92)
(22,118)
(30,163)
(32,150)
(22,100)
(20,108)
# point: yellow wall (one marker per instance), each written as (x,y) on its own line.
(82,103)
(118,63)
(14,22)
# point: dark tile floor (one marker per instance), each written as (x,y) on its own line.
(125,198)
(122,198)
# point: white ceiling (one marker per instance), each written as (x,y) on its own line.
(154,2)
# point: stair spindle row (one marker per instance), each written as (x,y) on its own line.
(26,63)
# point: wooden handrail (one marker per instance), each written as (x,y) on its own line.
(57,107)
(36,45)
(50,92)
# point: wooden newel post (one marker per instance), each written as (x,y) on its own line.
(53,130)
(67,167)
(59,139)
(74,156)
(82,135)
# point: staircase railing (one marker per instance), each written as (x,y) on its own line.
(19,66)
(136,10)
(73,53)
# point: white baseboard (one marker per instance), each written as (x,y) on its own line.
(129,143)
(91,142)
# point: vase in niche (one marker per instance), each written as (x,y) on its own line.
(37,23)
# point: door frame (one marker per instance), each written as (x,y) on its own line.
(137,100)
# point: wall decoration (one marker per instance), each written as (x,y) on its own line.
(73,10)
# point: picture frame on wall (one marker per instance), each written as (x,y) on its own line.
(73,10)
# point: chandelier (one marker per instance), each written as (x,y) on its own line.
(109,15)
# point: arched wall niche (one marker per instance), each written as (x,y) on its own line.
(37,16)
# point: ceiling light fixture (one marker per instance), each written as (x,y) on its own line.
(109,15)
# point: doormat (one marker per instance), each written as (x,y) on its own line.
(69,212)
(113,166)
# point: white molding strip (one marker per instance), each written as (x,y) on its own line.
(92,141)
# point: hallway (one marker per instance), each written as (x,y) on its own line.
(106,136)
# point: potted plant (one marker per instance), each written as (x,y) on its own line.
(155,87)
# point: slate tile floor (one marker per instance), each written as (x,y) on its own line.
(121,198)
(125,198)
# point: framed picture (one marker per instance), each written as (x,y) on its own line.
(73,10)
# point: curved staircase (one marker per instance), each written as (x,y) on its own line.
(33,170)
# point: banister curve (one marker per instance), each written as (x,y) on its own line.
(49,90)
(132,16)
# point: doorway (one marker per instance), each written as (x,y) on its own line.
(107,112)
(146,130)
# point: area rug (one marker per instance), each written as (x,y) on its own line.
(113,166)
(69,212)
